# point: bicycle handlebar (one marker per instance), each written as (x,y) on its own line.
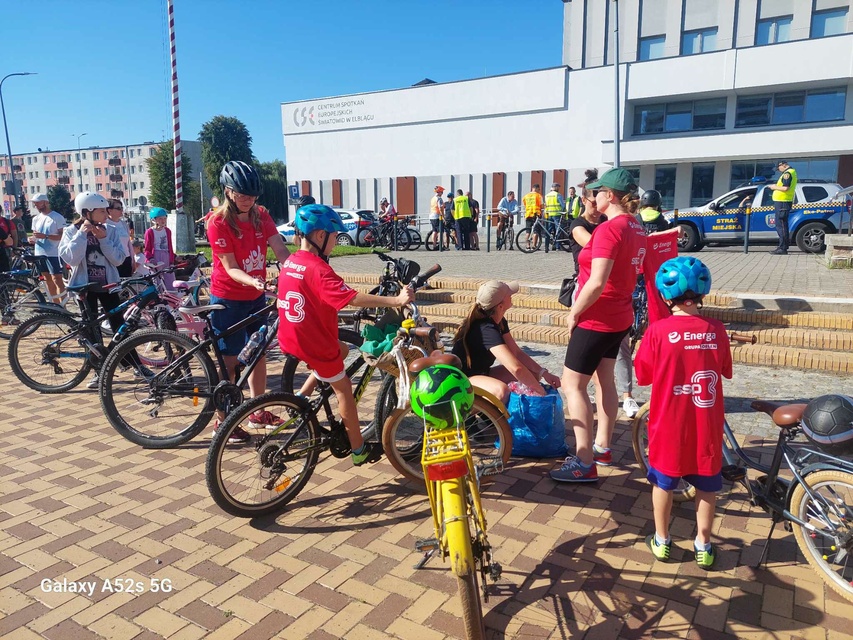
(421,279)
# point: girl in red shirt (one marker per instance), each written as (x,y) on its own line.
(239,232)
(600,317)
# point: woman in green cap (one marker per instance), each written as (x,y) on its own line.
(601,316)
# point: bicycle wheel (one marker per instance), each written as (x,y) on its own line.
(489,436)
(260,477)
(640,442)
(366,237)
(828,510)
(416,240)
(164,411)
(40,361)
(524,241)
(14,296)
(404,239)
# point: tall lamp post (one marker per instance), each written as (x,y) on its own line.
(79,161)
(6,129)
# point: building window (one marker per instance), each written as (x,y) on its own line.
(829,23)
(652,47)
(789,107)
(77,157)
(123,153)
(131,153)
(702,186)
(753,111)
(85,171)
(701,41)
(680,116)
(825,104)
(96,155)
(47,175)
(97,171)
(150,152)
(665,184)
(132,169)
(134,186)
(84,155)
(141,185)
(818,105)
(87,186)
(54,159)
(99,186)
(45,159)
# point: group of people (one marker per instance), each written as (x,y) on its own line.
(459,216)
(683,351)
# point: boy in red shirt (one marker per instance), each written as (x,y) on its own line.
(310,294)
(684,358)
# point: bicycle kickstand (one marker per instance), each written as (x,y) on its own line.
(763,558)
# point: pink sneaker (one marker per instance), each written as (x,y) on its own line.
(264,420)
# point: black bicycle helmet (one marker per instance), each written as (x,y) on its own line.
(241,177)
(301,201)
(651,198)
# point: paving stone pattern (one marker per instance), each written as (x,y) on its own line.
(81,503)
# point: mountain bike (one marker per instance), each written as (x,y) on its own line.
(22,291)
(390,234)
(459,520)
(554,235)
(640,306)
(504,236)
(816,503)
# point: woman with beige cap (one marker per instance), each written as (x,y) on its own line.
(484,338)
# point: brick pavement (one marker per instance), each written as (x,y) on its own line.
(81,503)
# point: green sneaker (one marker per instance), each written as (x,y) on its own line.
(659,551)
(706,559)
(369,453)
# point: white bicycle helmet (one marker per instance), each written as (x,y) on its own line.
(89,200)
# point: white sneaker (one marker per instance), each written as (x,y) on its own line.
(630,407)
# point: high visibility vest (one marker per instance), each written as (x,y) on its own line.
(532,204)
(461,209)
(649,214)
(434,208)
(552,205)
(573,206)
(786,196)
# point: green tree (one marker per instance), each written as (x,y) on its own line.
(60,201)
(192,199)
(161,169)
(223,138)
(274,180)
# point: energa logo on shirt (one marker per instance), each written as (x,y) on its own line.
(702,389)
(255,261)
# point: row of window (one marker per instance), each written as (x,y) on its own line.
(98,171)
(791,107)
(67,157)
(768,31)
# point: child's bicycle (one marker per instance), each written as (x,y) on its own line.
(816,504)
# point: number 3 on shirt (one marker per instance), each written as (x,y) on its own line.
(293,304)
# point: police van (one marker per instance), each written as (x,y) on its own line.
(819,208)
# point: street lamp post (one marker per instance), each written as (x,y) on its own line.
(6,129)
(79,161)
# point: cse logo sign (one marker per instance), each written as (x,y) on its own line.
(303,116)
(702,389)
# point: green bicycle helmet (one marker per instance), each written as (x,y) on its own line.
(435,393)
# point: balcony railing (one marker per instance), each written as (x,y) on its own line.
(115,162)
(61,165)
(63,180)
(115,177)
(115,193)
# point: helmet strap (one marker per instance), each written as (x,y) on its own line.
(321,251)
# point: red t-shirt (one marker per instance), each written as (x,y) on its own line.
(250,252)
(684,358)
(622,240)
(310,294)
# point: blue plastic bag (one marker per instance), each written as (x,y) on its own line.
(538,425)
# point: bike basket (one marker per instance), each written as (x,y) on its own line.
(387,362)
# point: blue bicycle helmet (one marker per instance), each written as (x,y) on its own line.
(157,212)
(312,217)
(678,277)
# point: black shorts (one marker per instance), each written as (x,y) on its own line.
(528,222)
(587,348)
(435,224)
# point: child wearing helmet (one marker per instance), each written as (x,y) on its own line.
(684,358)
(310,294)
(158,243)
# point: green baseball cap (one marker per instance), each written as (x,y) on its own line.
(617,179)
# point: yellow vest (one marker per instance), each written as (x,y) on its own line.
(573,206)
(786,196)
(532,203)
(461,209)
(552,204)
(649,214)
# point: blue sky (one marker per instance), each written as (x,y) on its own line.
(103,65)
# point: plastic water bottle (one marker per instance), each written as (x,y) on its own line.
(255,341)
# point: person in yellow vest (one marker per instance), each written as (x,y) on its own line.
(532,210)
(462,216)
(554,208)
(783,197)
(573,204)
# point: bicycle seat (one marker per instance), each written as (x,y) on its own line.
(436,357)
(784,415)
(201,310)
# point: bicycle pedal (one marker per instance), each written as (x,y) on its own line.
(495,571)
(429,544)
(733,473)
(490,466)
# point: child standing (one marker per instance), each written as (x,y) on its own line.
(158,244)
(139,258)
(684,358)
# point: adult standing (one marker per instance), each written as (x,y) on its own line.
(600,318)
(532,210)
(462,216)
(651,216)
(239,232)
(449,220)
(507,208)
(555,205)
(580,231)
(436,209)
(8,237)
(573,204)
(474,224)
(47,231)
(115,219)
(783,197)
(20,227)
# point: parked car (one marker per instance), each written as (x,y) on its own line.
(819,208)
(354,219)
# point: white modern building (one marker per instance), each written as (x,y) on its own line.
(711,93)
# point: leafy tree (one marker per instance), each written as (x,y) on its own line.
(192,199)
(60,201)
(274,180)
(223,138)
(161,167)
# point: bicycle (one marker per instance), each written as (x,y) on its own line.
(459,522)
(390,234)
(554,234)
(640,306)
(505,233)
(817,504)
(48,339)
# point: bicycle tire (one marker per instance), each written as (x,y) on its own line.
(366,237)
(522,241)
(136,410)
(12,315)
(432,242)
(402,438)
(404,240)
(416,240)
(247,461)
(27,345)
(639,441)
(821,517)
